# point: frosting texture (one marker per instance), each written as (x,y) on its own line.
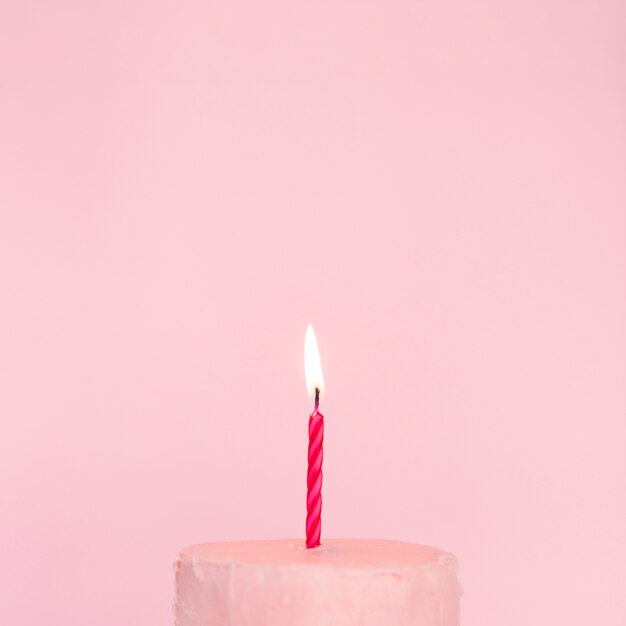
(344,582)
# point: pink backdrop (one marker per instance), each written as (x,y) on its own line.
(438,186)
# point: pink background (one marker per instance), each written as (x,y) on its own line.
(438,186)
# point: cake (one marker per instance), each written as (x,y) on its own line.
(344,582)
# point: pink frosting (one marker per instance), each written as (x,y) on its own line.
(344,582)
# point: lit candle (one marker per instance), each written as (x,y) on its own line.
(315,386)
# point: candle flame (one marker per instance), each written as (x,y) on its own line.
(312,363)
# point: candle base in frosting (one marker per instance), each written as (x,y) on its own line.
(344,582)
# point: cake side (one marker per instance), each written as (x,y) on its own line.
(342,583)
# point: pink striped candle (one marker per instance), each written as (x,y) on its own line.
(314,477)
(315,385)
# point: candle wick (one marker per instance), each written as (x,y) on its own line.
(317,398)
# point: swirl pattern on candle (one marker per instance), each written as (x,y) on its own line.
(314,480)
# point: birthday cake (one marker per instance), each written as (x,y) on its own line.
(343,582)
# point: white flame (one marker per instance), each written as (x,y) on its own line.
(312,363)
